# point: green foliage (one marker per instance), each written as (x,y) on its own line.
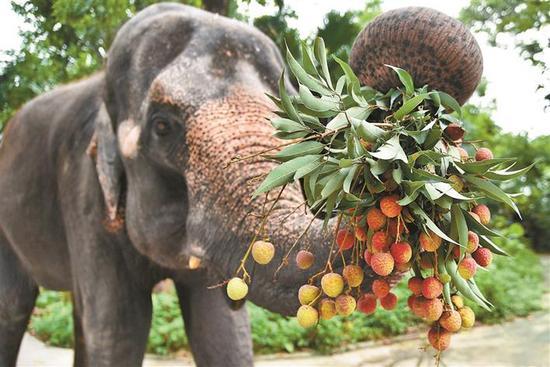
(534,204)
(52,319)
(514,284)
(167,332)
(517,18)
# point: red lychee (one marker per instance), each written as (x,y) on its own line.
(304,259)
(473,242)
(389,301)
(353,275)
(404,267)
(401,252)
(483,213)
(389,206)
(483,154)
(380,288)
(380,241)
(483,257)
(367,256)
(382,263)
(367,303)
(431,288)
(454,131)
(433,308)
(410,301)
(376,220)
(360,233)
(451,320)
(418,306)
(463,154)
(429,241)
(475,216)
(439,338)
(467,268)
(415,285)
(345,239)
(392,227)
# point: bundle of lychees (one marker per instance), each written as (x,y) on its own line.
(393,168)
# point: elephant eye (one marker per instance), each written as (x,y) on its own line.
(161,127)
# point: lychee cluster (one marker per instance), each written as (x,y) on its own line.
(383,235)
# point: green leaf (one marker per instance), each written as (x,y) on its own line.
(493,247)
(462,286)
(285,100)
(303,77)
(460,224)
(308,60)
(308,169)
(479,228)
(481,167)
(504,175)
(340,84)
(391,150)
(334,183)
(448,190)
(431,225)
(450,102)
(283,173)
(331,202)
(342,119)
(349,179)
(286,125)
(492,191)
(368,131)
(408,106)
(314,103)
(348,72)
(405,78)
(299,149)
(321,54)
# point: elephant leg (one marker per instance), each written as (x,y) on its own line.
(218,335)
(79,344)
(113,311)
(17,296)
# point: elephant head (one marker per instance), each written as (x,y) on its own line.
(184,95)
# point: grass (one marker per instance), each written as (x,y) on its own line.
(513,284)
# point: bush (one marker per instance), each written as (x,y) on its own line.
(513,284)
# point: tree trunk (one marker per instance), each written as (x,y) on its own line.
(216,6)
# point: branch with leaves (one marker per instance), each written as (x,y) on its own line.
(409,197)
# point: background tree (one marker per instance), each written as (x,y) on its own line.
(517,18)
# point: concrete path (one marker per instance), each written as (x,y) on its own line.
(522,342)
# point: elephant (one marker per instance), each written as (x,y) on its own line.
(115,182)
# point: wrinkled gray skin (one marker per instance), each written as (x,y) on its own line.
(111,184)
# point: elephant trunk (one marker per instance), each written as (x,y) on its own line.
(221,196)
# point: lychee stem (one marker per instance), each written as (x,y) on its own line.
(262,224)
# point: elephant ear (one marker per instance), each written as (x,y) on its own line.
(108,163)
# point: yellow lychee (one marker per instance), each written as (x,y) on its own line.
(308,293)
(327,309)
(237,289)
(345,305)
(332,284)
(307,316)
(353,275)
(262,252)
